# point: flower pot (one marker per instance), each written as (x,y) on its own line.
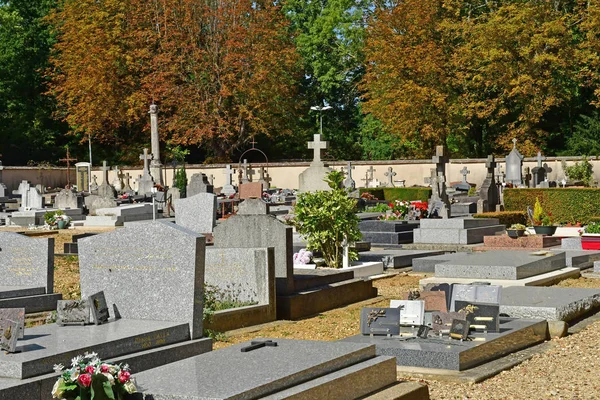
(590,241)
(545,230)
(515,233)
(61,224)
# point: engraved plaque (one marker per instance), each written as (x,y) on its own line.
(99,308)
(380,321)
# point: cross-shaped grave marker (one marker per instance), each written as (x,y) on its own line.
(349,182)
(146,157)
(228,173)
(464,173)
(390,175)
(317,145)
(539,159)
(244,171)
(250,172)
(490,164)
(257,344)
(105,170)
(68,160)
(371,170)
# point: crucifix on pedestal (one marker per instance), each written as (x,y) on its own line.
(68,160)
(317,145)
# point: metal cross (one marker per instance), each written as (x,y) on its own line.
(68,160)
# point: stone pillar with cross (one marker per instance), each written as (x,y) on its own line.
(463,186)
(312,179)
(440,160)
(105,190)
(349,183)
(127,185)
(538,172)
(488,194)
(228,188)
(68,160)
(250,172)
(243,172)
(263,177)
(543,183)
(390,174)
(155,166)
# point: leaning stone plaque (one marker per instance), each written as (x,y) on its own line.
(476,293)
(9,333)
(412,312)
(380,321)
(99,308)
(481,316)
(72,312)
(459,329)
(434,300)
(441,322)
(14,314)
(423,331)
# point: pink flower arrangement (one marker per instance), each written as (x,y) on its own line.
(76,382)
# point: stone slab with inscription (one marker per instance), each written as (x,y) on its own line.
(99,308)
(151,271)
(442,321)
(26,261)
(9,334)
(481,316)
(380,321)
(14,314)
(445,353)
(72,312)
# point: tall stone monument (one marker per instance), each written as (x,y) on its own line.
(514,165)
(105,190)
(155,164)
(145,182)
(439,198)
(228,188)
(312,179)
(349,182)
(488,194)
(82,172)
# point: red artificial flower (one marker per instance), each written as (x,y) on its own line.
(90,369)
(104,368)
(124,376)
(85,380)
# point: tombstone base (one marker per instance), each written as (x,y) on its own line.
(311,179)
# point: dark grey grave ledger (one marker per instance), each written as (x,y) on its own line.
(14,314)
(380,321)
(152,271)
(99,308)
(72,312)
(26,262)
(481,316)
(459,329)
(9,333)
(442,321)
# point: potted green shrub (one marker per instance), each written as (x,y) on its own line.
(590,236)
(516,230)
(543,223)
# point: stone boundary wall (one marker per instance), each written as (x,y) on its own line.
(285,174)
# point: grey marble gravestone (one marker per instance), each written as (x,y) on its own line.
(72,312)
(99,308)
(198,184)
(14,314)
(197,213)
(260,230)
(489,190)
(311,179)
(26,262)
(380,321)
(9,333)
(67,198)
(481,316)
(475,293)
(153,271)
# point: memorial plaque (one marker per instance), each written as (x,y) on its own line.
(99,308)
(481,316)
(14,314)
(443,287)
(412,312)
(442,321)
(476,294)
(459,329)
(380,321)
(423,331)
(434,300)
(72,312)
(83,176)
(9,333)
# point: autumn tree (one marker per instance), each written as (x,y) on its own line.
(220,71)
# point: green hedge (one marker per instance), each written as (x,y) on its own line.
(400,193)
(569,205)
(506,218)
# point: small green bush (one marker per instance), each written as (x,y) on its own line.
(581,171)
(506,218)
(181,181)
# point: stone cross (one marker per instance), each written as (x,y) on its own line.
(349,182)
(370,171)
(366,179)
(317,145)
(432,179)
(228,173)
(499,174)
(68,160)
(244,172)
(105,170)
(267,179)
(211,179)
(390,175)
(527,177)
(490,164)
(440,160)
(251,171)
(539,159)
(464,173)
(146,157)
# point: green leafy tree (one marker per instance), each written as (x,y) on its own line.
(325,219)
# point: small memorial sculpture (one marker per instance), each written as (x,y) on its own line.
(380,321)
(14,314)
(72,312)
(459,329)
(442,321)
(99,308)
(113,380)
(9,333)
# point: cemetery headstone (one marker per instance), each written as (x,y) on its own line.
(127,185)
(463,186)
(311,179)
(514,165)
(94,185)
(68,160)
(475,293)
(439,193)
(72,312)
(527,178)
(117,182)
(83,172)
(228,188)
(145,183)
(14,314)
(243,168)
(153,271)
(349,183)
(390,174)
(66,198)
(198,184)
(197,213)
(97,302)
(380,321)
(264,178)
(489,192)
(105,190)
